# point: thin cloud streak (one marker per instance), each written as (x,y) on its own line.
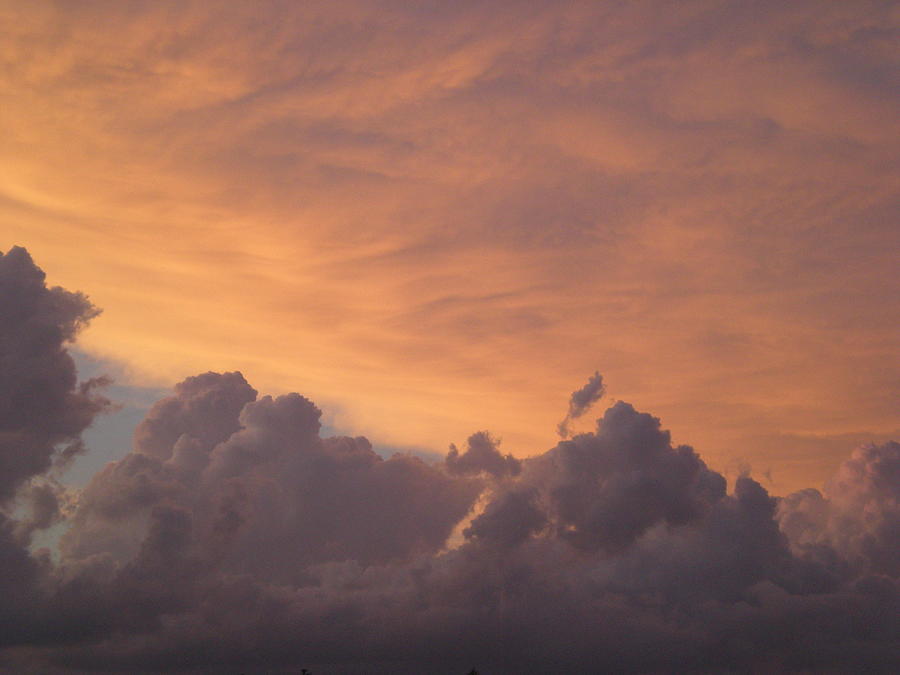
(686,197)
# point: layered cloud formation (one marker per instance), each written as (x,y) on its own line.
(234,536)
(698,198)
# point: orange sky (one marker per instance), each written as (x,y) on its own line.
(437,220)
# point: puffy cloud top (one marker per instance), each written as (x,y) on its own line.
(482,455)
(272,479)
(610,487)
(857,520)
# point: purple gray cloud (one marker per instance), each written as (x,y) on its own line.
(581,401)
(43,407)
(234,537)
(481,455)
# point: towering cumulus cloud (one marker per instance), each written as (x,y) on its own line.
(234,537)
(43,408)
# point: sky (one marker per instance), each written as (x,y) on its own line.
(464,233)
(435,218)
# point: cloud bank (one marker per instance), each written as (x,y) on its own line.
(233,536)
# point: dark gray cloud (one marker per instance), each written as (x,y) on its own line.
(43,407)
(581,401)
(509,519)
(272,479)
(235,537)
(205,408)
(610,487)
(481,456)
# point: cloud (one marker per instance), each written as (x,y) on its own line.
(43,407)
(204,408)
(581,401)
(611,486)
(456,191)
(267,476)
(234,535)
(857,519)
(481,455)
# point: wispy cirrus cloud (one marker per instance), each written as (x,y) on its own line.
(700,200)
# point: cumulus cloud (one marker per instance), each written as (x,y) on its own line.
(481,455)
(43,407)
(271,479)
(234,535)
(857,519)
(609,487)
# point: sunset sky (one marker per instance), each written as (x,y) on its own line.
(441,217)
(438,218)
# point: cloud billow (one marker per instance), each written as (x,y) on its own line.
(43,407)
(234,536)
(481,456)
